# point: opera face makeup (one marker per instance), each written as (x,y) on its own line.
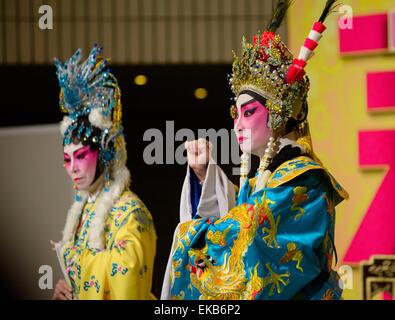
(80,164)
(250,125)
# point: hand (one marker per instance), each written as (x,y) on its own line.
(62,291)
(198,153)
(53,244)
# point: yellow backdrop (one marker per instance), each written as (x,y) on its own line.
(338,110)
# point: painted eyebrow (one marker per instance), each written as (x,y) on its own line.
(79,151)
(74,152)
(247,103)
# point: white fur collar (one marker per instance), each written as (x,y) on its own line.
(121,179)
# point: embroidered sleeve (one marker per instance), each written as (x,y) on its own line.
(269,248)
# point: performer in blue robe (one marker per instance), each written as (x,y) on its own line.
(274,238)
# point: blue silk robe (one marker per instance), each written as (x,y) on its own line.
(276,243)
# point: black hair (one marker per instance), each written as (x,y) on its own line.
(287,153)
(78,136)
(293,123)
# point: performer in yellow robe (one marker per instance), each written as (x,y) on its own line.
(109,241)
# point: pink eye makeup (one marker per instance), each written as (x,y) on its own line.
(80,163)
(81,152)
(249,112)
(252,104)
(81,156)
(66,158)
(250,126)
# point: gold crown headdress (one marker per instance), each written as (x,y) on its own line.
(268,68)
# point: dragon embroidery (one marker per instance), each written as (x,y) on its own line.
(228,280)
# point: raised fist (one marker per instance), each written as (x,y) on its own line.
(198,153)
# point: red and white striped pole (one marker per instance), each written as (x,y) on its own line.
(296,71)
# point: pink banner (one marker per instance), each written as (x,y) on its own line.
(380,90)
(391,29)
(376,233)
(368,33)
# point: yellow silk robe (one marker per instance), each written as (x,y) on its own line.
(123,270)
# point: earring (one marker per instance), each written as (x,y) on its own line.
(77,193)
(107,180)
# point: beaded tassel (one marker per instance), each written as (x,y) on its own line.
(263,174)
(244,168)
(107,180)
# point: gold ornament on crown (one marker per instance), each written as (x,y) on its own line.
(263,68)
